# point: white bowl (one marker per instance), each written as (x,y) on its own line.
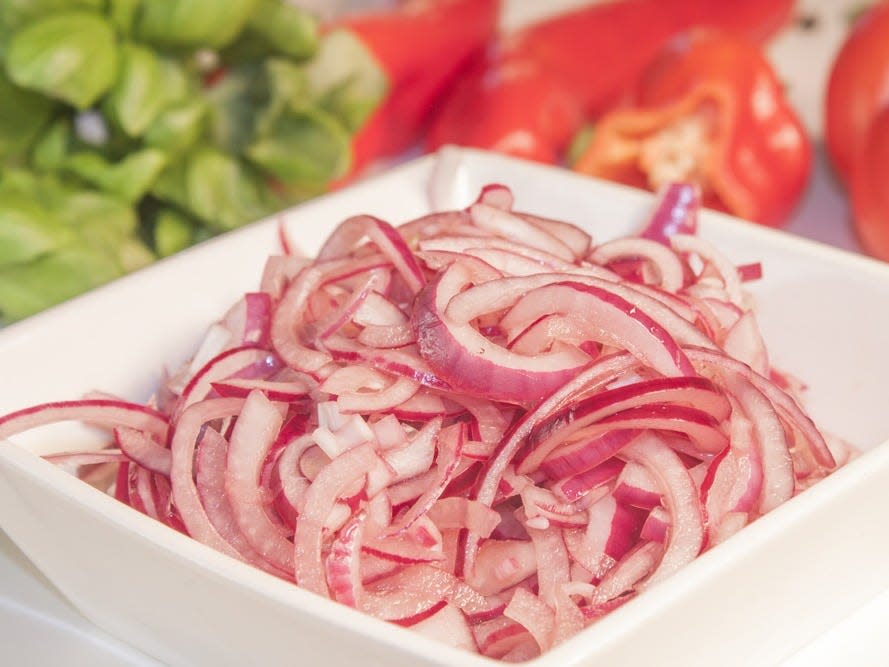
(752,600)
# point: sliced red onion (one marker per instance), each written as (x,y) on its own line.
(245,360)
(750,272)
(502,564)
(450,449)
(542,509)
(541,335)
(686,243)
(676,212)
(571,235)
(492,295)
(534,615)
(185,494)
(459,512)
(656,525)
(421,542)
(610,533)
(210,462)
(680,499)
(279,270)
(497,637)
(286,323)
(652,393)
(143,450)
(496,195)
(342,315)
(88,458)
(711,363)
(345,237)
(489,249)
(744,342)
(552,562)
(777,466)
(470,363)
(415,457)
(507,225)
(636,487)
(365,391)
(100,412)
(627,575)
(449,626)
(576,486)
(144,489)
(504,415)
(343,562)
(420,590)
(255,431)
(586,455)
(335,478)
(249,319)
(404,362)
(287,392)
(670,268)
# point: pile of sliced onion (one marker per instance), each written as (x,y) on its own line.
(480,424)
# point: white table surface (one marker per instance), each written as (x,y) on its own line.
(38,627)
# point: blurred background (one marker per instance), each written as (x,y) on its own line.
(131,130)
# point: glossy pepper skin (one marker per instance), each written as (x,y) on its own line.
(858,88)
(711,110)
(421,45)
(870,188)
(528,95)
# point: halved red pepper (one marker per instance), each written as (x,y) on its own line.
(711,110)
(858,88)
(517,108)
(528,95)
(421,45)
(869,188)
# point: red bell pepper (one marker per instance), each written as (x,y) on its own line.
(575,64)
(711,110)
(516,108)
(421,45)
(870,188)
(858,88)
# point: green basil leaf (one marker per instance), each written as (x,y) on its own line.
(307,149)
(233,105)
(128,179)
(122,14)
(286,28)
(193,23)
(71,56)
(51,150)
(47,189)
(223,191)
(173,232)
(102,220)
(16,13)
(28,230)
(138,95)
(216,188)
(178,128)
(286,89)
(132,254)
(23,114)
(345,79)
(26,289)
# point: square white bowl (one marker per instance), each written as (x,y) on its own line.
(752,600)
